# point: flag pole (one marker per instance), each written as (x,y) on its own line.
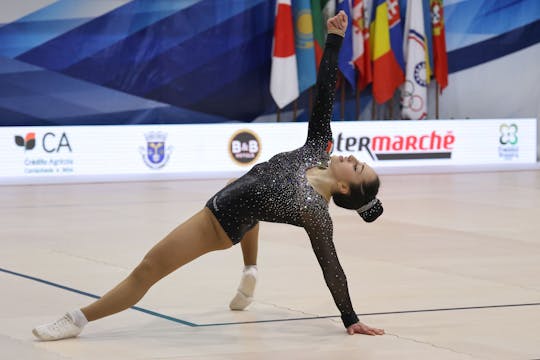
(357,104)
(373,108)
(437,100)
(278,113)
(342,98)
(295,108)
(310,102)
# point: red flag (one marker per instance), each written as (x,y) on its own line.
(284,73)
(440,58)
(361,48)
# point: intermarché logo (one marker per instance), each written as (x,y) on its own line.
(431,145)
(28,142)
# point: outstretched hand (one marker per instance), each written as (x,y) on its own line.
(360,328)
(338,23)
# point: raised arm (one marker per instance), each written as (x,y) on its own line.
(319,124)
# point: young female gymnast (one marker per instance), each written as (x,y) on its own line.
(293,187)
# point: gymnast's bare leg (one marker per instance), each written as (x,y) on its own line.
(197,236)
(250,245)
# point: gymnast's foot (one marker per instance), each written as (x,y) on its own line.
(244,295)
(68,326)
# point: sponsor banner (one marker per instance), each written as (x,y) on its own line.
(84,153)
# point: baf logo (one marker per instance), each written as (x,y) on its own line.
(508,141)
(155,155)
(244,147)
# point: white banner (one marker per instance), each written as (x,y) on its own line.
(107,153)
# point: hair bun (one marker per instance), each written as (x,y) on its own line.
(371,211)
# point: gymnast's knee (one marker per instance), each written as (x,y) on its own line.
(147,272)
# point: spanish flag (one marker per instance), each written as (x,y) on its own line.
(388,75)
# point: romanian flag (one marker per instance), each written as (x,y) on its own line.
(440,59)
(388,74)
(284,74)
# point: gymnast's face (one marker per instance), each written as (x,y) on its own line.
(348,170)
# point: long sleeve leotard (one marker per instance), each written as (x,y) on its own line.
(278,190)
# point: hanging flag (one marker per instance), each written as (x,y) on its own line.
(396,31)
(328,9)
(319,27)
(427,27)
(283,75)
(429,35)
(414,91)
(345,58)
(305,53)
(361,50)
(440,59)
(387,73)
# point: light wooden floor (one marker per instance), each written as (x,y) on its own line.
(451,271)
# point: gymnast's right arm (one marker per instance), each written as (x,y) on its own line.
(319,124)
(319,228)
(318,225)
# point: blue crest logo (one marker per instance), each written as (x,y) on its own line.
(156,154)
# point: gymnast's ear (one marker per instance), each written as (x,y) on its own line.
(343,187)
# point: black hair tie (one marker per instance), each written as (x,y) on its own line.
(371,211)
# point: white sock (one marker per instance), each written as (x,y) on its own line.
(78,318)
(249,279)
(248,267)
(244,295)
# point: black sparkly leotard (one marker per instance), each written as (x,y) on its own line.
(278,190)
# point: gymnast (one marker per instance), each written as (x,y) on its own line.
(292,187)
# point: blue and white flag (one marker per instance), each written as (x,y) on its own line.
(304,43)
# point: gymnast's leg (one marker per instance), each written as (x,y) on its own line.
(246,289)
(198,235)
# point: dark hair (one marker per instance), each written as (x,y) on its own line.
(359,195)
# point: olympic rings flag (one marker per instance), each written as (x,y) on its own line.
(417,72)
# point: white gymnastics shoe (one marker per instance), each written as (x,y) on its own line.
(63,328)
(244,295)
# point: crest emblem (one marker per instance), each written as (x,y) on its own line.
(508,140)
(156,154)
